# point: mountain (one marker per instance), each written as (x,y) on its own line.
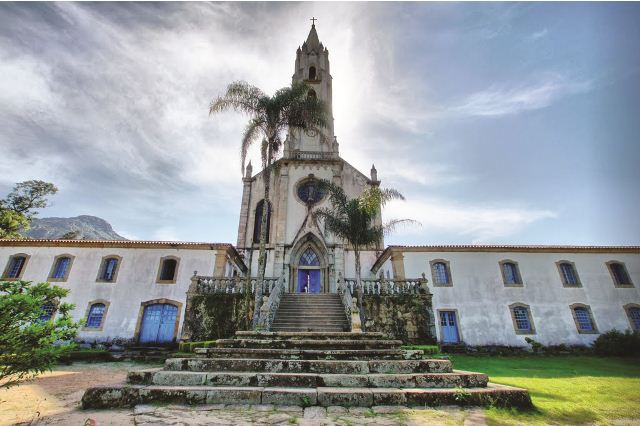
(82,228)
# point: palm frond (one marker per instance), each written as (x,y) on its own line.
(389,194)
(251,134)
(390,226)
(240,96)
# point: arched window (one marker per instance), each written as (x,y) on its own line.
(619,274)
(47,311)
(521,317)
(311,93)
(309,258)
(312,73)
(15,266)
(168,270)
(258,221)
(95,315)
(568,274)
(510,273)
(60,269)
(440,272)
(633,312)
(109,268)
(584,320)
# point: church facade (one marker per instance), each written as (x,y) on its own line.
(136,291)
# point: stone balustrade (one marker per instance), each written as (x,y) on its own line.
(216,285)
(388,287)
(313,155)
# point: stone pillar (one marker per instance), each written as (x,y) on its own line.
(244,210)
(220,263)
(185,336)
(397,263)
(280,219)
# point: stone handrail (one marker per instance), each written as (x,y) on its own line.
(270,305)
(217,285)
(389,287)
(346,295)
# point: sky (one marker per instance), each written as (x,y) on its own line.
(501,123)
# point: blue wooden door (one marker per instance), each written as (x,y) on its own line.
(449,327)
(158,323)
(309,281)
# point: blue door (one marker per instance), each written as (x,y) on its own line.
(449,327)
(158,323)
(308,281)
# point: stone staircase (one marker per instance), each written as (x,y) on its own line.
(307,368)
(310,312)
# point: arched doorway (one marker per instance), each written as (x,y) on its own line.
(309,279)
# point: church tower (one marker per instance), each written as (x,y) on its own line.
(312,68)
(299,249)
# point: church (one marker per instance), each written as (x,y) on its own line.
(138,292)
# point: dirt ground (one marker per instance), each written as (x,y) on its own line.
(54,399)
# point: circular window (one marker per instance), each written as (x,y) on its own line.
(309,191)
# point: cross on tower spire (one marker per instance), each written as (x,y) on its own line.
(313,21)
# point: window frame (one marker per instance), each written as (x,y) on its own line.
(532,326)
(447,265)
(519,282)
(103,264)
(594,326)
(175,272)
(106,304)
(627,310)
(5,274)
(54,304)
(54,265)
(613,276)
(559,264)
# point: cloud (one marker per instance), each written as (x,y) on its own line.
(478,223)
(500,99)
(539,34)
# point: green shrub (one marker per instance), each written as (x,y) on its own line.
(191,346)
(428,349)
(616,343)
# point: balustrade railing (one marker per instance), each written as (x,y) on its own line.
(218,285)
(390,287)
(313,155)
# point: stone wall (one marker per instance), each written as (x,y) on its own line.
(218,316)
(407,317)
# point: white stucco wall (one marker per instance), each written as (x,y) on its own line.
(135,282)
(482,301)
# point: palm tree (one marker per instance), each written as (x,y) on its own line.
(270,119)
(353,220)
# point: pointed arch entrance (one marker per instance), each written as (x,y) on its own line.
(309,266)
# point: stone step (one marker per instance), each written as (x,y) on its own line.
(309,380)
(347,354)
(317,320)
(297,310)
(308,344)
(305,335)
(131,395)
(309,366)
(310,328)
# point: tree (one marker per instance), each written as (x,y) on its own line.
(270,119)
(353,220)
(35,329)
(17,210)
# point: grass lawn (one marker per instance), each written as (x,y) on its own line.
(564,389)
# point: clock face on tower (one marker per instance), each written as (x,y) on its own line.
(311,133)
(309,191)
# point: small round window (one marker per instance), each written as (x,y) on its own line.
(309,191)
